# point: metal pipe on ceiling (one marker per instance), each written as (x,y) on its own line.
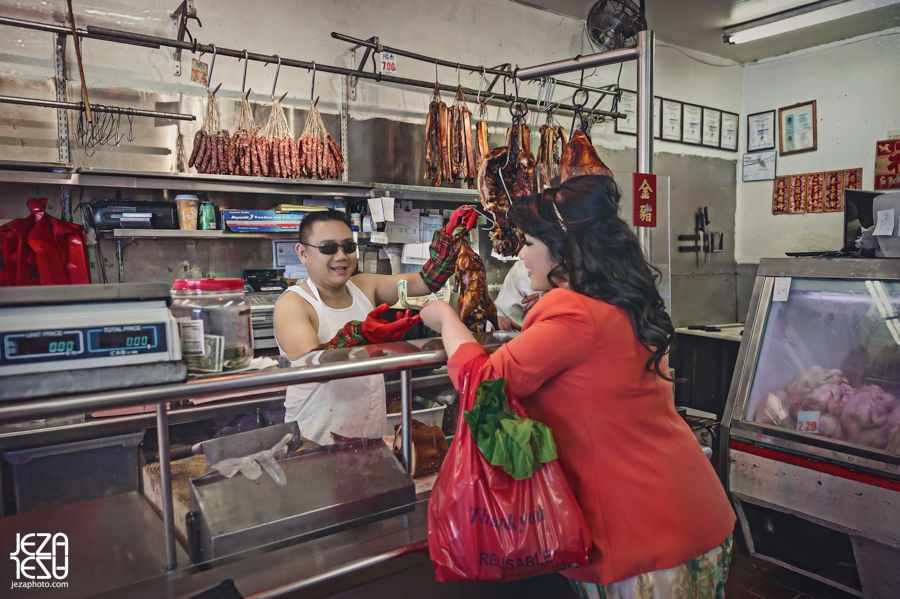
(579,63)
(61,29)
(301,64)
(97,108)
(608,90)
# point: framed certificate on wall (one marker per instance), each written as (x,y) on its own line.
(797,128)
(712,127)
(671,120)
(761,131)
(730,124)
(627,106)
(692,124)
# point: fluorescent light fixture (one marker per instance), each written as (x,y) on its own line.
(798,18)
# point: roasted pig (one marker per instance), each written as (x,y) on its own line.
(429,447)
(580,158)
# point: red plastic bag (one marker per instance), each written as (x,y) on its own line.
(484,525)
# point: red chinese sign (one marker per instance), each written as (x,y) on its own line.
(887,164)
(853,178)
(834,191)
(815,192)
(797,194)
(643,199)
(780,195)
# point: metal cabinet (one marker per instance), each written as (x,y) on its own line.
(811,425)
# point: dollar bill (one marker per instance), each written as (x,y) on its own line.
(213,358)
(417,303)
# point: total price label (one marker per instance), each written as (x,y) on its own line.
(388,62)
(808,422)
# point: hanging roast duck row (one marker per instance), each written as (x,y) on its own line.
(507,172)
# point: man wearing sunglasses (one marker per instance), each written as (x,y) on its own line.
(335,308)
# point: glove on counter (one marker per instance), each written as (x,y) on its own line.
(374,329)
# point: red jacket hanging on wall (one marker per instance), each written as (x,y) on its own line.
(42,250)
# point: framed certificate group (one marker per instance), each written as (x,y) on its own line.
(682,122)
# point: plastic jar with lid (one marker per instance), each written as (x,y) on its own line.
(214,318)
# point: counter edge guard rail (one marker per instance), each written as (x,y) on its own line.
(13,412)
(335,573)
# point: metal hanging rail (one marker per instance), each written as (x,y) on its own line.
(604,91)
(97,108)
(115,35)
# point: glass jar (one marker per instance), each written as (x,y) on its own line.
(214,319)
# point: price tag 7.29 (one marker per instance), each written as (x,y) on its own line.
(808,421)
(388,62)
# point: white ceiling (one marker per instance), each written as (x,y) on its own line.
(698,24)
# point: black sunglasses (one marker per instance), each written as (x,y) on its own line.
(329,248)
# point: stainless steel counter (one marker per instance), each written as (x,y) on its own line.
(316,568)
(113,541)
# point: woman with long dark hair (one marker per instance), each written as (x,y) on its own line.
(591,363)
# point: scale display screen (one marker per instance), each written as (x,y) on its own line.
(80,343)
(45,343)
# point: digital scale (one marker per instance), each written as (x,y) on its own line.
(56,340)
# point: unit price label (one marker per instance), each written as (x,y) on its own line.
(808,422)
(388,63)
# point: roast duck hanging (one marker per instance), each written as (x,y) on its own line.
(507,173)
(475,306)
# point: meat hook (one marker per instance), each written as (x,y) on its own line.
(435,71)
(480,83)
(212,65)
(275,82)
(312,89)
(458,80)
(244,80)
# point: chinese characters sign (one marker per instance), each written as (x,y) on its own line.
(643,188)
(887,164)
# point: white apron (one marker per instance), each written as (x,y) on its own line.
(349,407)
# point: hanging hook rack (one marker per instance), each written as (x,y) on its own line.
(244,80)
(212,65)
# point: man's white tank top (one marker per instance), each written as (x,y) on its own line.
(349,407)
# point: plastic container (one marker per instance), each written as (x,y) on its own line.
(432,417)
(81,471)
(214,319)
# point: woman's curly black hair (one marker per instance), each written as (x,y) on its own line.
(599,254)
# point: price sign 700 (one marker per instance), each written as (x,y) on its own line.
(388,62)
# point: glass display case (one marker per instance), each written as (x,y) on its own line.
(811,426)
(828,361)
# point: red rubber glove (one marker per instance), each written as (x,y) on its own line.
(376,329)
(464,216)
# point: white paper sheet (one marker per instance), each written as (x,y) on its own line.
(884,222)
(376,209)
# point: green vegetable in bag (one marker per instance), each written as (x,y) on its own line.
(519,445)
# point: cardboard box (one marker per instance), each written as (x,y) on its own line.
(262,221)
